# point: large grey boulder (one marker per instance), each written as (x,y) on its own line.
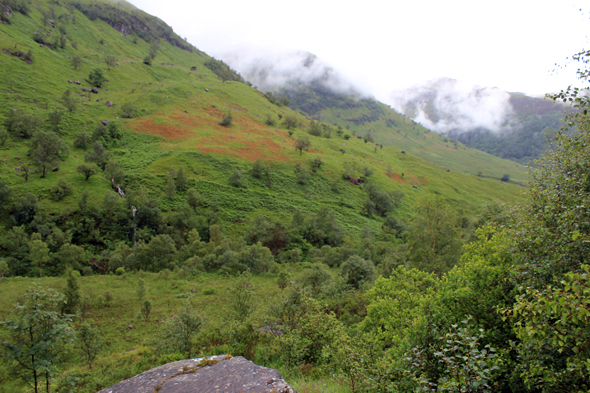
(213,374)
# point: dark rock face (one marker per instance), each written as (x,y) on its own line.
(214,374)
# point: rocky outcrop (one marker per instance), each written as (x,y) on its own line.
(214,374)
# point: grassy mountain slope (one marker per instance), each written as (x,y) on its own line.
(179,126)
(391,128)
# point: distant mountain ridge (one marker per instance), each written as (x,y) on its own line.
(507,125)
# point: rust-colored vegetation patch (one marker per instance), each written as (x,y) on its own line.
(396,177)
(419,180)
(247,138)
(167,131)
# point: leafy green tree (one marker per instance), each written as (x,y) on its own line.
(113,171)
(316,277)
(226,120)
(141,290)
(179,332)
(36,335)
(91,342)
(302,143)
(96,77)
(46,148)
(76,61)
(82,141)
(128,110)
(157,254)
(72,293)
(290,122)
(39,253)
(99,155)
(24,209)
(357,271)
(22,124)
(236,179)
(170,188)
(4,270)
(110,61)
(194,199)
(146,309)
(68,101)
(283,280)
(434,240)
(61,190)
(180,180)
(5,194)
(54,119)
(315,164)
(87,170)
(555,320)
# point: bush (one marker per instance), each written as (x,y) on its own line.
(120,271)
(61,190)
(290,121)
(236,179)
(128,110)
(270,121)
(96,77)
(357,271)
(226,120)
(22,124)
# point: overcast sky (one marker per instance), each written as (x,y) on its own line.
(389,45)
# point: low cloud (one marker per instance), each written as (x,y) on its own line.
(271,70)
(444,105)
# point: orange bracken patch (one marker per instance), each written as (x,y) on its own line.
(168,131)
(396,177)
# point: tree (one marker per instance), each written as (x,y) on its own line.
(24,209)
(4,137)
(87,170)
(140,291)
(170,188)
(76,61)
(180,180)
(39,253)
(302,143)
(61,190)
(236,179)
(283,280)
(22,124)
(72,293)
(55,120)
(36,335)
(290,121)
(68,101)
(110,61)
(96,78)
(46,148)
(434,242)
(128,110)
(179,331)
(357,271)
(146,309)
(226,120)
(315,164)
(91,342)
(505,178)
(114,172)
(82,141)
(99,155)
(5,194)
(194,199)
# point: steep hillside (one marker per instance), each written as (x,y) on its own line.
(315,89)
(180,103)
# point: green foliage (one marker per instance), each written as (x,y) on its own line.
(54,119)
(290,122)
(226,120)
(128,110)
(46,149)
(99,155)
(194,199)
(5,195)
(91,342)
(466,366)
(96,78)
(87,170)
(71,293)
(4,270)
(4,137)
(61,190)
(179,332)
(434,241)
(170,188)
(141,290)
(76,61)
(302,143)
(237,180)
(553,326)
(180,180)
(22,124)
(146,309)
(82,141)
(36,336)
(223,71)
(282,280)
(357,272)
(24,209)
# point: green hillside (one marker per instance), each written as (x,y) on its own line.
(178,126)
(390,128)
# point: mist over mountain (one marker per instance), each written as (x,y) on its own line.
(508,125)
